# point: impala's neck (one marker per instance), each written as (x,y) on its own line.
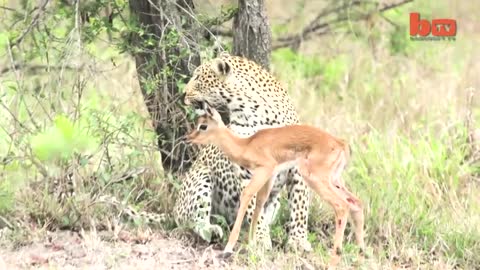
(232,145)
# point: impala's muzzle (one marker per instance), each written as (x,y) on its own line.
(190,138)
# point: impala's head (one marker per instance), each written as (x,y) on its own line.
(208,125)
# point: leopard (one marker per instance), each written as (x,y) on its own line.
(251,99)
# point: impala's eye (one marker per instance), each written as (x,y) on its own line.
(202,127)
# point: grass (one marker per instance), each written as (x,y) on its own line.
(405,116)
(401,104)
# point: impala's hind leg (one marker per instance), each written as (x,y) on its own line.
(326,182)
(354,203)
(359,221)
(319,181)
(356,212)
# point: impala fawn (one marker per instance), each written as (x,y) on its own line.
(321,158)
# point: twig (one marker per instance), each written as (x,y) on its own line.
(315,27)
(36,68)
(34,22)
(39,166)
(8,8)
(14,117)
(221,32)
(389,21)
(195,18)
(6,222)
(394,5)
(127,176)
(29,112)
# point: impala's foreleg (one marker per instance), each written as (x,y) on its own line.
(261,199)
(259,179)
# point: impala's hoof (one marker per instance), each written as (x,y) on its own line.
(224,255)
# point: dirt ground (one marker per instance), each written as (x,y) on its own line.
(126,250)
(140,250)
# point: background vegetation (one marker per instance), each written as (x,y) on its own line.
(71,109)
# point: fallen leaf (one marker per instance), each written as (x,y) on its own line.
(38,259)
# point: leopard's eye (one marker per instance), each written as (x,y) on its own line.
(202,127)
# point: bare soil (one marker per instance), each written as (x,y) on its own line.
(124,250)
(140,250)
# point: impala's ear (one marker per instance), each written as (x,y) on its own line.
(216,116)
(210,111)
(220,67)
(206,109)
(200,112)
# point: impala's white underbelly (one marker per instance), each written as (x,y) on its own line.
(284,166)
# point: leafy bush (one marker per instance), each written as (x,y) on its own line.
(61,141)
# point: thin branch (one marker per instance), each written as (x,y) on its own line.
(6,223)
(8,8)
(394,5)
(29,112)
(36,68)
(34,22)
(191,15)
(217,31)
(389,21)
(14,117)
(315,27)
(41,168)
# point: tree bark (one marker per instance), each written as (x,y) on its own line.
(165,52)
(251,32)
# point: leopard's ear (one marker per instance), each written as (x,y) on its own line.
(218,50)
(224,54)
(221,67)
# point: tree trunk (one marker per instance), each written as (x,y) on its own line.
(166,53)
(251,32)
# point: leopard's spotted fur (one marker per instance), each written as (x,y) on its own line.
(255,100)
